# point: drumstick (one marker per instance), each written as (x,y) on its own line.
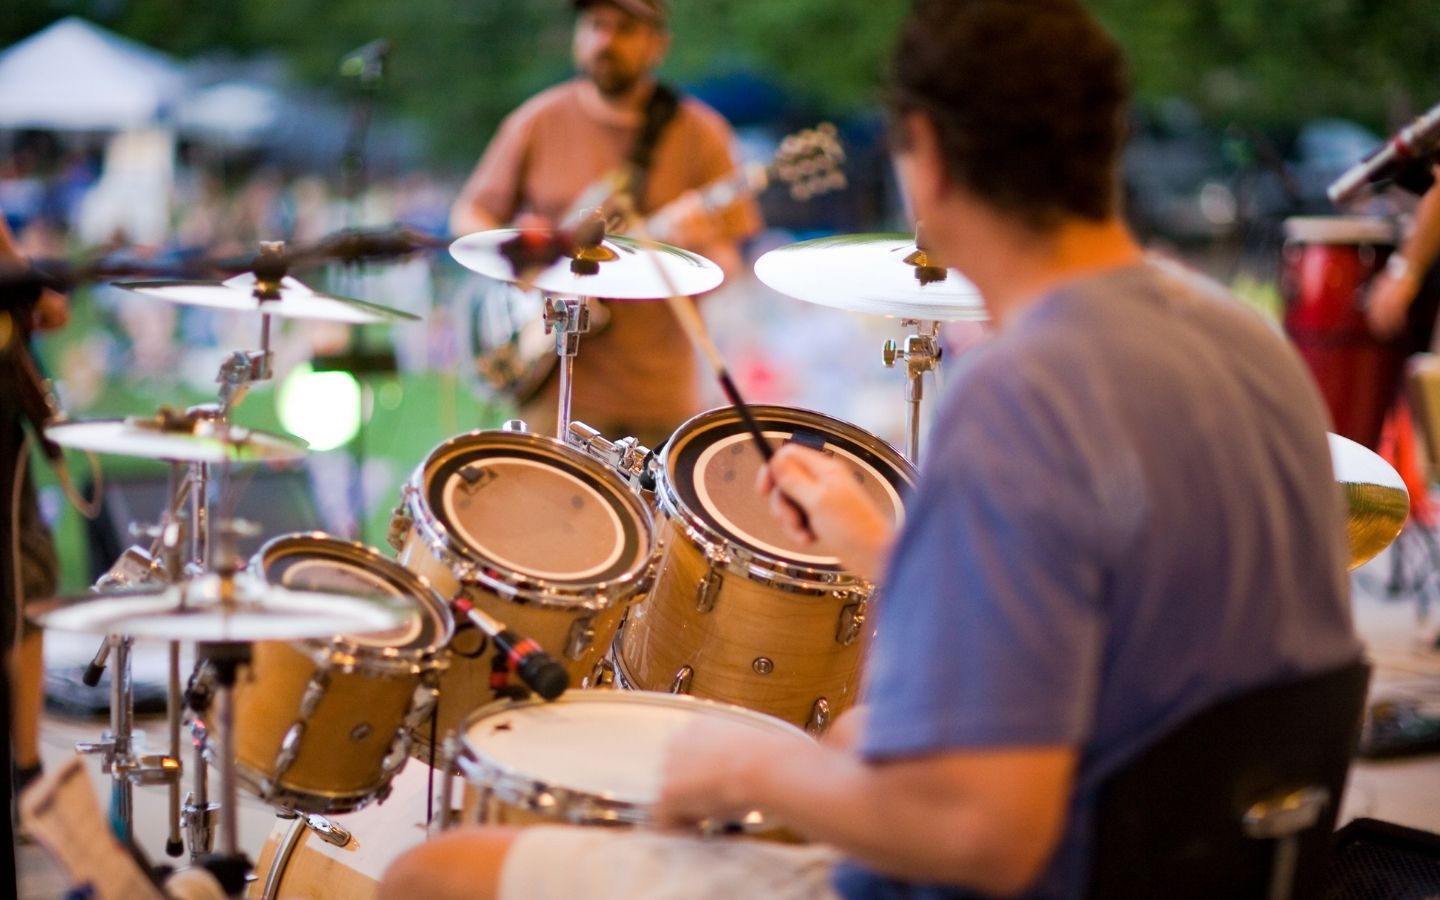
(694,328)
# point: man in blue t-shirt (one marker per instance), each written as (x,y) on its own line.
(1127,513)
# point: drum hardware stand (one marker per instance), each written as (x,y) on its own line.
(567,318)
(625,455)
(117,745)
(921,353)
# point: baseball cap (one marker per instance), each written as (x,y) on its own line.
(656,12)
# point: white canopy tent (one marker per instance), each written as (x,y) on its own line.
(76,76)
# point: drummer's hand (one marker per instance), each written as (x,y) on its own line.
(839,511)
(1388,301)
(845,733)
(529,221)
(706,772)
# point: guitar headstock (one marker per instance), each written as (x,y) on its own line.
(811,162)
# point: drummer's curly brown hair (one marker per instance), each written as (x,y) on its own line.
(1029,98)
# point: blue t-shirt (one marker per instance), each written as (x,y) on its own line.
(1126,511)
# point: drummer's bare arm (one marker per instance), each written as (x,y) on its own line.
(463,864)
(1390,295)
(839,512)
(987,819)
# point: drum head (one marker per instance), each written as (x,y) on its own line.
(318,562)
(711,465)
(530,506)
(1340,230)
(607,745)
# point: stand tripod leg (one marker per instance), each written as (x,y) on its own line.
(174,846)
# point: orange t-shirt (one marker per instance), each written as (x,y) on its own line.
(639,373)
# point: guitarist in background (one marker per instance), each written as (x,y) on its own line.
(638,376)
(28,566)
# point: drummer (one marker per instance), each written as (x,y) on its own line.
(1389,297)
(1127,513)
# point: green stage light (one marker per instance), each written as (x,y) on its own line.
(321,407)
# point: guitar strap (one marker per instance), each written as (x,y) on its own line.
(664,103)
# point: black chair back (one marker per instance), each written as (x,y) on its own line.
(1172,824)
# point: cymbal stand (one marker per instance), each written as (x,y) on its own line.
(921,353)
(117,746)
(567,318)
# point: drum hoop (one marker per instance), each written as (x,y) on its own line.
(369,659)
(516,586)
(756,565)
(578,806)
(310,801)
(1341,230)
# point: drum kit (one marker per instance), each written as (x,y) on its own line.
(653,579)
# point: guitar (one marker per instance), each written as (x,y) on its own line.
(513,352)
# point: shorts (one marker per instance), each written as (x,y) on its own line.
(601,864)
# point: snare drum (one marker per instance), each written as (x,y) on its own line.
(540,536)
(589,758)
(740,613)
(1329,262)
(324,726)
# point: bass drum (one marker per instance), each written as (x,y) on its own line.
(740,613)
(539,536)
(323,726)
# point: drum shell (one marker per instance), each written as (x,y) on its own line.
(1328,264)
(814,638)
(465,684)
(365,696)
(341,759)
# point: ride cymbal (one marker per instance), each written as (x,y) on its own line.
(615,268)
(193,611)
(175,438)
(874,274)
(293,300)
(1377,503)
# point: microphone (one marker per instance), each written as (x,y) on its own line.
(1415,142)
(535,667)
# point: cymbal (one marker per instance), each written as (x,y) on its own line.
(1377,502)
(618,268)
(296,301)
(193,611)
(175,438)
(875,274)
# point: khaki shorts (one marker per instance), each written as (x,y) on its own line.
(600,864)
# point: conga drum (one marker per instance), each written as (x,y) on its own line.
(1329,262)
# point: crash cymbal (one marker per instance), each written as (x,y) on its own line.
(175,438)
(875,274)
(617,268)
(294,300)
(193,611)
(1377,503)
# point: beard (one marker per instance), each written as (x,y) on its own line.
(609,76)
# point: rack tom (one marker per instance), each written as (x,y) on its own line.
(740,612)
(540,536)
(323,726)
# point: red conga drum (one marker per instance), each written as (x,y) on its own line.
(1328,264)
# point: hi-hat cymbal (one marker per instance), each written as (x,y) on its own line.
(875,274)
(193,611)
(295,300)
(1377,502)
(618,268)
(175,438)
